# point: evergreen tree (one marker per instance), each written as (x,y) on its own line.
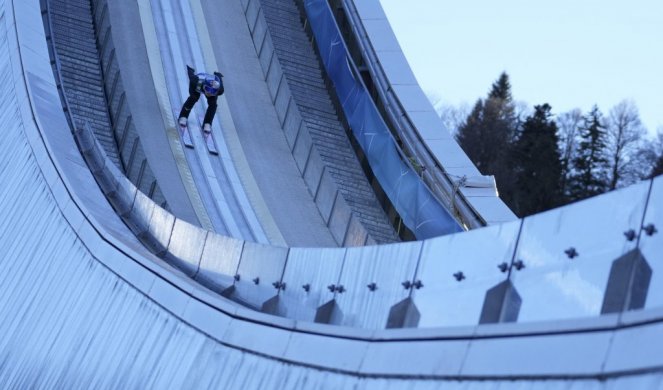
(590,166)
(658,168)
(500,109)
(487,135)
(536,163)
(470,136)
(501,89)
(655,156)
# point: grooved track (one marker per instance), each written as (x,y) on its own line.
(302,71)
(74,38)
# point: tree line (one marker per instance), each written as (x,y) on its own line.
(541,160)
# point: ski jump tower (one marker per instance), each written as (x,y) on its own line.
(329,234)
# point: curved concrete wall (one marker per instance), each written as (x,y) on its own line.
(87,305)
(416,283)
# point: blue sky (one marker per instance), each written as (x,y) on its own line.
(568,53)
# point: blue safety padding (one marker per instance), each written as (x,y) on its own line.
(420,210)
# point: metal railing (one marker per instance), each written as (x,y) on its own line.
(422,212)
(444,185)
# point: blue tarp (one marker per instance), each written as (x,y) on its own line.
(420,210)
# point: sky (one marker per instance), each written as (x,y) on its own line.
(568,53)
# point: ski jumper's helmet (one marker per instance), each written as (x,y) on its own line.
(210,85)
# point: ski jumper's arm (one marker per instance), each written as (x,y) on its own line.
(220,76)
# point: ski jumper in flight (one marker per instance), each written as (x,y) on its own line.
(209,84)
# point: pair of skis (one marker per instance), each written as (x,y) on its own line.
(210,142)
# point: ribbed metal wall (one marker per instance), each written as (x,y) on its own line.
(68,321)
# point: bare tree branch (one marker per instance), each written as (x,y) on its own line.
(625,135)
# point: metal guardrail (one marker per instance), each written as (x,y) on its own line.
(422,212)
(443,185)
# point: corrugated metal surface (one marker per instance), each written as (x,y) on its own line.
(68,321)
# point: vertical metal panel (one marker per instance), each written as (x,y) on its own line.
(445,301)
(219,261)
(186,246)
(122,198)
(139,217)
(651,242)
(161,229)
(386,266)
(312,269)
(553,285)
(260,266)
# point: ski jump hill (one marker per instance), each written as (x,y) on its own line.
(329,233)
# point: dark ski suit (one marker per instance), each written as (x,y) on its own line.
(195,89)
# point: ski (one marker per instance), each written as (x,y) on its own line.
(185,135)
(210,142)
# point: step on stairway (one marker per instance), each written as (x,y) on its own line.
(75,43)
(302,71)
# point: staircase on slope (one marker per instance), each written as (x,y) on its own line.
(76,46)
(304,75)
(74,37)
